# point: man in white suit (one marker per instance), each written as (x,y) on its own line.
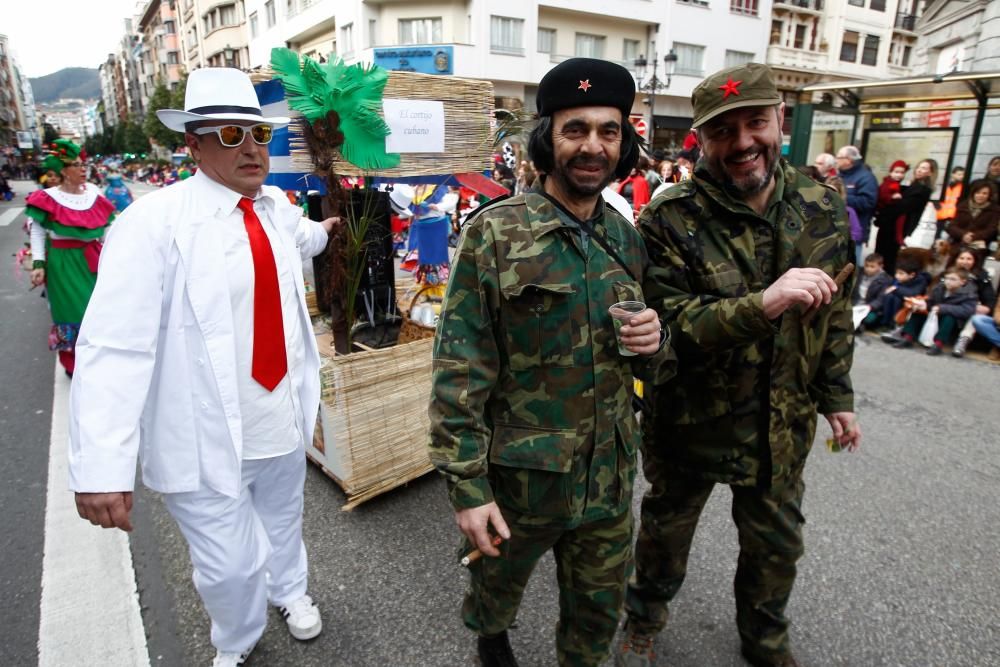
(197,356)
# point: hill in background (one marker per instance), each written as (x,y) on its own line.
(70,82)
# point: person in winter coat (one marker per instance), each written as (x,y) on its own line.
(635,190)
(911,280)
(976,220)
(953,300)
(968,260)
(892,230)
(862,191)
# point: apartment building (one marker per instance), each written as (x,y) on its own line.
(213,34)
(106,72)
(11,103)
(158,54)
(514,43)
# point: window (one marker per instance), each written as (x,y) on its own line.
(690,59)
(856,3)
(800,37)
(589,46)
(736,58)
(169,28)
(748,7)
(630,51)
(192,40)
(420,31)
(506,35)
(907,50)
(776,28)
(877,5)
(372,37)
(253,25)
(546,40)
(227,15)
(269,11)
(347,39)
(700,3)
(172,58)
(849,47)
(870,54)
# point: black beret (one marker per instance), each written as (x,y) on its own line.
(586,82)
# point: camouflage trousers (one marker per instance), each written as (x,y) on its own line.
(593,562)
(770,536)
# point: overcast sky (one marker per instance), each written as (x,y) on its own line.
(50,35)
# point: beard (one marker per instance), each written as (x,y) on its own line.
(753,182)
(589,185)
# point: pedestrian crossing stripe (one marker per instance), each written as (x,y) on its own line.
(10,215)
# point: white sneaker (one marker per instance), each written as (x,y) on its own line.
(303,618)
(229,659)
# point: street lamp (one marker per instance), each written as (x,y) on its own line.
(227,53)
(654,85)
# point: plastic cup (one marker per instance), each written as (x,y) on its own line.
(622,313)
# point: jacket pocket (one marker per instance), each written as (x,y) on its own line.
(723,283)
(537,324)
(530,470)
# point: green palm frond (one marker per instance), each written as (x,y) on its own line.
(354,92)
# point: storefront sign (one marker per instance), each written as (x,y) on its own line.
(423,59)
(417,126)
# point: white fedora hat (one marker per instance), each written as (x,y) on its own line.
(217,93)
(400,198)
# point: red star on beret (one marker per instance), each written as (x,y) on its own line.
(584,85)
(730,88)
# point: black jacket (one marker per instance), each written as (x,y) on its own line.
(960,304)
(912,205)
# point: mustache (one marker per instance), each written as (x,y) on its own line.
(588,162)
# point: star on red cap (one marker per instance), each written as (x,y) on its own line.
(730,88)
(584,85)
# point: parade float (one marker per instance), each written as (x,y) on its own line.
(355,126)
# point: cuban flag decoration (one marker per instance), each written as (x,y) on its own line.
(271,95)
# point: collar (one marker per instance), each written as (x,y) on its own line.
(219,198)
(720,195)
(545,215)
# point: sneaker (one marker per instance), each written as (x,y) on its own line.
(893,336)
(302,617)
(934,350)
(961,345)
(229,659)
(636,650)
(495,651)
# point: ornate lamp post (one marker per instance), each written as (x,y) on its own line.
(654,85)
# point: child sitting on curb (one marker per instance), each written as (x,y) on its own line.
(871,288)
(911,280)
(968,260)
(953,301)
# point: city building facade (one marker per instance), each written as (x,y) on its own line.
(513,43)
(12,118)
(158,49)
(213,34)
(964,37)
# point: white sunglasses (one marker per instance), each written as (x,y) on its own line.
(232,136)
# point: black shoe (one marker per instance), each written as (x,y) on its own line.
(787,660)
(933,351)
(891,337)
(495,651)
(903,343)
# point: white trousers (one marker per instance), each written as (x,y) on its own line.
(246,551)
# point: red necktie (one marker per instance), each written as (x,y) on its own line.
(269,360)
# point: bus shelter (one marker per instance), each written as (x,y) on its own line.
(910,118)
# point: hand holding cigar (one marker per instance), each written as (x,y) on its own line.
(839,280)
(476,554)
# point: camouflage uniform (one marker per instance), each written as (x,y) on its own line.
(742,408)
(531,408)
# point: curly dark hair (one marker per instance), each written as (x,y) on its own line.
(543,153)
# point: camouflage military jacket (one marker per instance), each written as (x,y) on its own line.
(531,401)
(742,407)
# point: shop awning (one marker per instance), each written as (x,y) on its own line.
(484,186)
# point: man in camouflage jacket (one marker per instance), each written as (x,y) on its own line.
(531,421)
(742,257)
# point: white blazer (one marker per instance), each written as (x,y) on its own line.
(155,370)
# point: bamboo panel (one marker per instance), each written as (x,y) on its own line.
(468,108)
(376,413)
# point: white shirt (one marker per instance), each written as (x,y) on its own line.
(270,418)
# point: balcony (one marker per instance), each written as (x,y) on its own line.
(906,22)
(784,56)
(812,7)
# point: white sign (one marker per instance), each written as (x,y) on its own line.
(417,126)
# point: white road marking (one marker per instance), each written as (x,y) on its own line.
(90,605)
(10,215)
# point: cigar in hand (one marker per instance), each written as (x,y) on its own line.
(476,554)
(839,280)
